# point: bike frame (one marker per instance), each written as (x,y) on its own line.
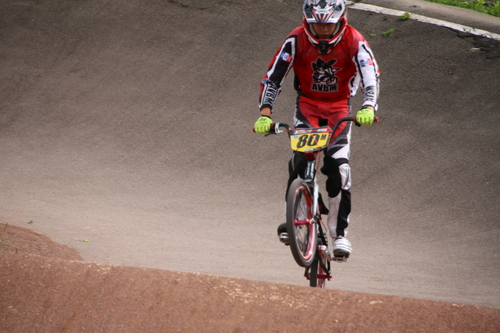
(322,253)
(311,175)
(322,257)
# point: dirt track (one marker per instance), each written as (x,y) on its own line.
(50,291)
(129,126)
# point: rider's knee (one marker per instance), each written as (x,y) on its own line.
(345,176)
(333,186)
(339,176)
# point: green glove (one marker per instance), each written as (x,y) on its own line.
(365,117)
(263,125)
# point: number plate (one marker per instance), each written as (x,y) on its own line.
(308,140)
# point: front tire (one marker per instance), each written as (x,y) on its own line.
(300,224)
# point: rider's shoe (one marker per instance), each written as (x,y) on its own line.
(283,234)
(341,249)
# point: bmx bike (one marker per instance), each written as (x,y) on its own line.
(305,230)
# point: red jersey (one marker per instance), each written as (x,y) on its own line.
(332,77)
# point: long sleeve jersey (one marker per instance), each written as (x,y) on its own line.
(332,77)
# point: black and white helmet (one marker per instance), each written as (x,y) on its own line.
(325,11)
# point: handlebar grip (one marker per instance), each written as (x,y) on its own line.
(273,125)
(376,120)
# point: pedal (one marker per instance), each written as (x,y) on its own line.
(284,238)
(340,258)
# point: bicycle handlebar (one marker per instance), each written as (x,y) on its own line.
(275,127)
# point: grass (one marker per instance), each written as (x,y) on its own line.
(404,17)
(491,7)
(388,32)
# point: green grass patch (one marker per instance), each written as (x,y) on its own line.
(404,17)
(491,7)
(388,32)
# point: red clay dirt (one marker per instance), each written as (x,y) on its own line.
(46,287)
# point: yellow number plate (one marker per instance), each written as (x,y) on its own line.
(310,140)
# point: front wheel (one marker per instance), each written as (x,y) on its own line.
(300,224)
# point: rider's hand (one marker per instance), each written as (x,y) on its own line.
(365,116)
(263,125)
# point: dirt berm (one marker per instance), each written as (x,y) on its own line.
(45,287)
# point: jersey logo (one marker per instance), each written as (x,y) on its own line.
(324,79)
(367,62)
(286,57)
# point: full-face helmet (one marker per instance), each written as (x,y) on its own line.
(325,11)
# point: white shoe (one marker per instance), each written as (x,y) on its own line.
(341,249)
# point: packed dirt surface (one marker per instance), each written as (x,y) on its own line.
(46,288)
(125,137)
